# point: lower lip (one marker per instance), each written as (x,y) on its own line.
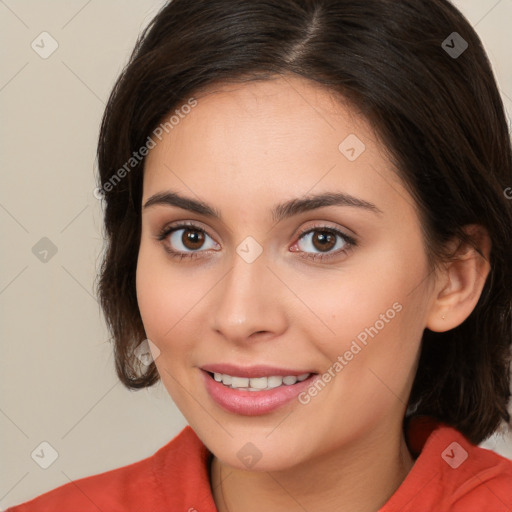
(253,403)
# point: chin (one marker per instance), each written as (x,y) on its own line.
(251,450)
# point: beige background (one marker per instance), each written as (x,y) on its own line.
(57,377)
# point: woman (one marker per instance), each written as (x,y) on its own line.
(309,228)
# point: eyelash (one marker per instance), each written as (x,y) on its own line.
(349,241)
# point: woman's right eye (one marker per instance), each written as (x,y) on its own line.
(185,240)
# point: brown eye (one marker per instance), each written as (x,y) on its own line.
(323,240)
(192,239)
(321,243)
(186,240)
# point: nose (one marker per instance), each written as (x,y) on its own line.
(249,303)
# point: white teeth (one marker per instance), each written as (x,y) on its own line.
(275,382)
(239,382)
(258,383)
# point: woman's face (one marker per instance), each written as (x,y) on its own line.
(265,285)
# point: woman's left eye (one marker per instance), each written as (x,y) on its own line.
(188,241)
(330,242)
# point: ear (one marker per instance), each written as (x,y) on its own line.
(460,282)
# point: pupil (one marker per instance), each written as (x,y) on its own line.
(324,238)
(193,238)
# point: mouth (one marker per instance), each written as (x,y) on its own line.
(256,390)
(263,383)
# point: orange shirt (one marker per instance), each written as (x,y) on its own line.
(450,474)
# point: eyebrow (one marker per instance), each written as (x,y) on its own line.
(279,211)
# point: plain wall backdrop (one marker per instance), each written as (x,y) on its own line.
(57,378)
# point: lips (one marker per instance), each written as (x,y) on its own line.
(243,398)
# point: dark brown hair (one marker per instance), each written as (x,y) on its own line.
(439,114)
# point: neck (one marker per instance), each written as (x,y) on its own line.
(359,478)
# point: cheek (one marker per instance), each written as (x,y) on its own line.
(169,300)
(149,292)
(355,303)
(163,311)
(160,296)
(373,317)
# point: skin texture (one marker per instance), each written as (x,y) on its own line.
(243,149)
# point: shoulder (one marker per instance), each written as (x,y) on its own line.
(155,483)
(451,474)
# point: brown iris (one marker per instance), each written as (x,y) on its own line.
(192,238)
(323,240)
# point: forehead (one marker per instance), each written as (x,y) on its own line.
(268,140)
(276,115)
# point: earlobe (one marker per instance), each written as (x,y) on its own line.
(461,283)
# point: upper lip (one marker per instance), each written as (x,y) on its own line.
(251,371)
